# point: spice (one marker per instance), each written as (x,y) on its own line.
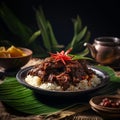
(63,56)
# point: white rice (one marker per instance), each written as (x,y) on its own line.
(82,85)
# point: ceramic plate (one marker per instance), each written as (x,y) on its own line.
(103,75)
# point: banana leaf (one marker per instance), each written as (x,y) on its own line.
(114,83)
(25,100)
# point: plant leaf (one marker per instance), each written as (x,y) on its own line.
(51,35)
(42,24)
(54,44)
(49,39)
(34,36)
(81,35)
(77,23)
(81,55)
(114,83)
(111,73)
(14,24)
(26,101)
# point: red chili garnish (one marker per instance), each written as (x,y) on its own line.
(63,56)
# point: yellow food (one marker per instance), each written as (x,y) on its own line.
(15,52)
(2,49)
(11,52)
(4,54)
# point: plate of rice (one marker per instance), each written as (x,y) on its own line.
(61,75)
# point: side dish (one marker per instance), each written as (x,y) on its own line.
(11,52)
(107,102)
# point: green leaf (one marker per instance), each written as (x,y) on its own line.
(114,83)
(81,55)
(42,24)
(111,73)
(79,47)
(77,23)
(25,100)
(14,24)
(51,35)
(34,36)
(81,35)
(48,36)
(54,44)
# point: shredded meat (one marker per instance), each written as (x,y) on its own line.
(50,70)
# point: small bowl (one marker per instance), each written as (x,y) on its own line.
(105,111)
(16,62)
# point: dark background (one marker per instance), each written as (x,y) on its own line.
(101,17)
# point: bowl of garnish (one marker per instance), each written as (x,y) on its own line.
(106,105)
(14,57)
(62,74)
